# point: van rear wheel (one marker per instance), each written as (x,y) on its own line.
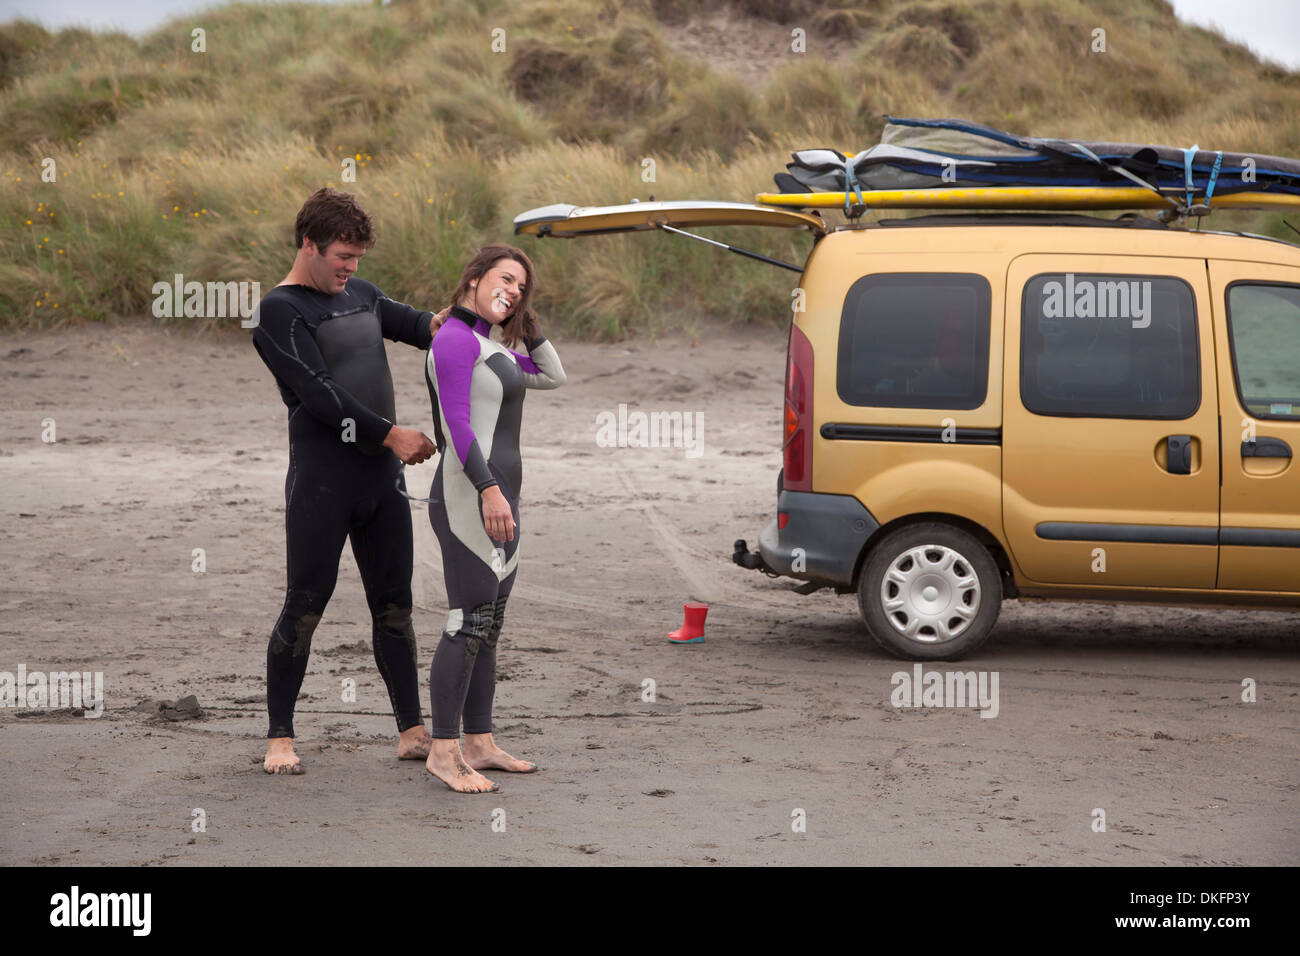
(929,592)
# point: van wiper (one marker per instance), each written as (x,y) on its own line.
(722,245)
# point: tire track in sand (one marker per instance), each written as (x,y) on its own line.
(695,566)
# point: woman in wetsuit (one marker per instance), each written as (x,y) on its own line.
(477,389)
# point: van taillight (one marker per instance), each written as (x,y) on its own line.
(797,444)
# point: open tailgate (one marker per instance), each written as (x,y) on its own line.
(564,220)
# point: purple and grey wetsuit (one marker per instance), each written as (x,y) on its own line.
(477,389)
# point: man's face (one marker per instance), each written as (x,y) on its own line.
(500,290)
(331,268)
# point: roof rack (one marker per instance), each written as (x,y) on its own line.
(1128,220)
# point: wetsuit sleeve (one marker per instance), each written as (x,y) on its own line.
(402,323)
(399,321)
(285,344)
(541,366)
(453,357)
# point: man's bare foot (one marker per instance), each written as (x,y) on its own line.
(413,743)
(482,753)
(280,757)
(446,763)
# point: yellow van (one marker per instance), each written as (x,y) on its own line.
(980,407)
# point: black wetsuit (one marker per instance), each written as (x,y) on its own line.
(327,355)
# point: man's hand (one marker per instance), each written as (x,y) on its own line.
(436,323)
(410,445)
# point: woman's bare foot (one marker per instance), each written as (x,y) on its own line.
(413,743)
(280,757)
(482,753)
(446,763)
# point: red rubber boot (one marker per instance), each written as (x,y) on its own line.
(692,632)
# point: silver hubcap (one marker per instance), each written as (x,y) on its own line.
(930,594)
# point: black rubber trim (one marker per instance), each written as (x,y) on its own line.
(1261,537)
(1133,533)
(1160,534)
(911,433)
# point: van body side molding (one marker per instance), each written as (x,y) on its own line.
(1162,534)
(1261,537)
(1132,533)
(912,433)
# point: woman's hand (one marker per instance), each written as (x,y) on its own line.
(498,520)
(438,319)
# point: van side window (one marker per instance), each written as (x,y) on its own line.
(1109,346)
(1264,334)
(915,340)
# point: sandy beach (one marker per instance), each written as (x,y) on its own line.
(773,742)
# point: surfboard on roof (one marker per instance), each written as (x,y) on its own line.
(958,164)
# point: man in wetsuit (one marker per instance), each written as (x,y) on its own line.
(321,332)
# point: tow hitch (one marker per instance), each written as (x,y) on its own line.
(754,561)
(749,559)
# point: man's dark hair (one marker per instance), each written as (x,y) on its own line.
(328,216)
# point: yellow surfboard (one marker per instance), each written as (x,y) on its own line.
(1023,197)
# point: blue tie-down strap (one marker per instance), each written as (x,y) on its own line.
(850,183)
(1189,182)
(1214,177)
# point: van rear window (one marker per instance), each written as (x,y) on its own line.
(1109,346)
(1264,331)
(915,340)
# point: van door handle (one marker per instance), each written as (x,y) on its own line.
(1265,448)
(1178,454)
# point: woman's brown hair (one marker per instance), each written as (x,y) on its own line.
(522,322)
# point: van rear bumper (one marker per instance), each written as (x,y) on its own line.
(822,538)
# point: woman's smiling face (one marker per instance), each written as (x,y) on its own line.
(499,291)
